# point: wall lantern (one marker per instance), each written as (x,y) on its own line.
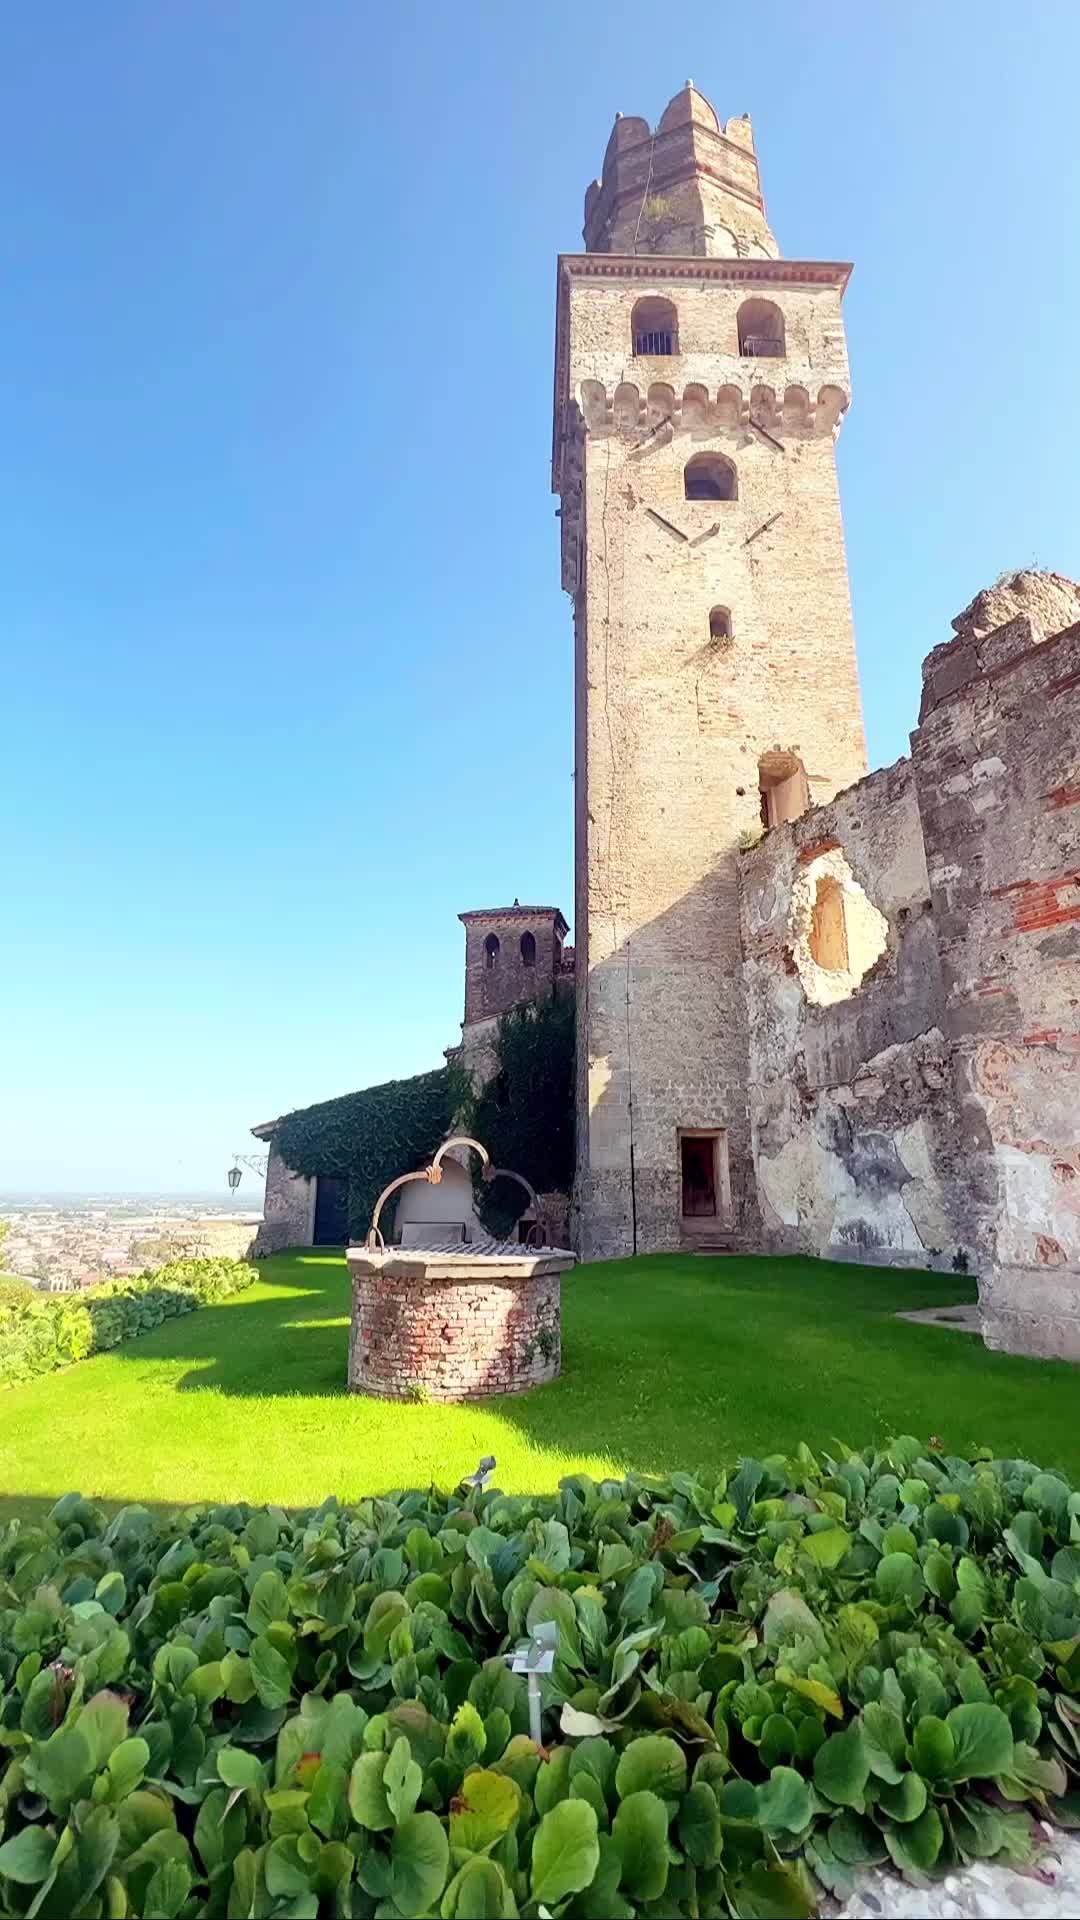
(234,1179)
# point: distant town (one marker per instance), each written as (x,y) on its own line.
(60,1242)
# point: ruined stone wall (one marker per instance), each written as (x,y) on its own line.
(918,1094)
(850,1084)
(288,1208)
(997,763)
(671,725)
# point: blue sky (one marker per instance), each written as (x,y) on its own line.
(286,665)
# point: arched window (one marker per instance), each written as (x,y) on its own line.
(708,476)
(720,625)
(491,950)
(528,950)
(654,327)
(785,791)
(761,330)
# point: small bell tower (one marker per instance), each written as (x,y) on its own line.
(700,380)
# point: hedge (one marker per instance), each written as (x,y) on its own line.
(42,1331)
(761,1682)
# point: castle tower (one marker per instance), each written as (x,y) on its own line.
(699,384)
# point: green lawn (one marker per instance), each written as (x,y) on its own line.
(667,1361)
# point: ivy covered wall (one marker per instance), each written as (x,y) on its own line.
(524,1116)
(369,1137)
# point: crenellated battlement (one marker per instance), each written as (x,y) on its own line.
(691,186)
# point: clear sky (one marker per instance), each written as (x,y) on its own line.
(286,665)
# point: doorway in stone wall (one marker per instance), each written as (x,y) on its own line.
(331,1211)
(703,1175)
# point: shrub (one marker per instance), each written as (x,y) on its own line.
(760,1684)
(42,1331)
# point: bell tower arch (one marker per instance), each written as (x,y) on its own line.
(699,385)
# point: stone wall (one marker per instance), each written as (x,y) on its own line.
(288,1207)
(914,1082)
(997,764)
(850,1090)
(672,727)
(454,1327)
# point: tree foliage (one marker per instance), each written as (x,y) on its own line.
(524,1116)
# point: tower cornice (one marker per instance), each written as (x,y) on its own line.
(702,271)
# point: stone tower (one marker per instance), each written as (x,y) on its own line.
(699,383)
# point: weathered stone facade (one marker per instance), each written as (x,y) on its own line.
(454,1326)
(714,651)
(931,1105)
(512,955)
(288,1203)
(859,1037)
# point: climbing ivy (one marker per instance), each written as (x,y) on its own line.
(524,1115)
(368,1138)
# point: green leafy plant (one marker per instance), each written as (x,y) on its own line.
(236,1710)
(368,1138)
(42,1331)
(524,1115)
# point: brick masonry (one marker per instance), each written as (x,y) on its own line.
(672,727)
(936,1108)
(446,1326)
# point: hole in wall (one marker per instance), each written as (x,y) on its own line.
(835,932)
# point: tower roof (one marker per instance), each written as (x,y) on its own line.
(688,187)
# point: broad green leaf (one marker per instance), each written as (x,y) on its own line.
(701,1831)
(328,1802)
(59,1767)
(367,1794)
(126,1766)
(239,1768)
(932,1747)
(899,1581)
(596,1758)
(827,1548)
(103,1723)
(552,1781)
(466,1739)
(419,1862)
(402,1780)
(655,1762)
(906,1800)
(814,1690)
(484,1808)
(783,1803)
(288,1874)
(269,1601)
(28,1857)
(788,1618)
(479,1891)
(842,1767)
(886,1743)
(639,1831)
(983,1741)
(387,1611)
(168,1889)
(271,1673)
(773,1891)
(915,1847)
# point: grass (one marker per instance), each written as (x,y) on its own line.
(668,1361)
